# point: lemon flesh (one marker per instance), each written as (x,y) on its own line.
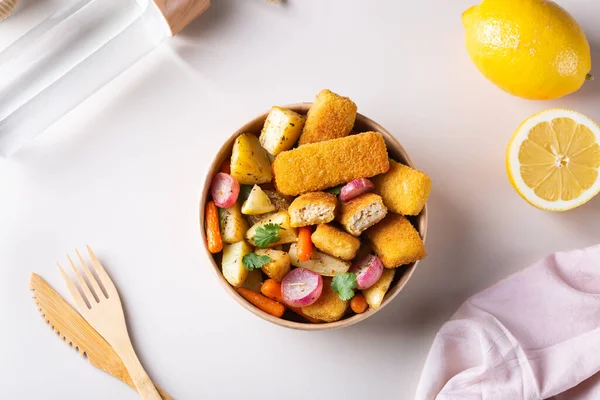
(553,159)
(530,48)
(257,203)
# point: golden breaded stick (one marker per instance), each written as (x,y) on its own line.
(331,116)
(321,165)
(396,241)
(335,242)
(404,190)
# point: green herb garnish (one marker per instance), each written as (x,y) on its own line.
(344,285)
(253,261)
(245,192)
(266,234)
(335,190)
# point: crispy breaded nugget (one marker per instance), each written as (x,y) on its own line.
(312,209)
(361,213)
(335,242)
(331,116)
(319,166)
(396,241)
(404,190)
(329,307)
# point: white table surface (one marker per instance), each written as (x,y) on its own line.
(123,172)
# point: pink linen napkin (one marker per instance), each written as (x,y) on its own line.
(534,335)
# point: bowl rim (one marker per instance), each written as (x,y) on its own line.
(213,167)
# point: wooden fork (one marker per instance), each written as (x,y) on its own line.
(103,310)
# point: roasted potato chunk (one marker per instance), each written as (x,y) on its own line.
(279,265)
(254,280)
(249,161)
(375,294)
(233,224)
(233,269)
(286,233)
(281,130)
(321,263)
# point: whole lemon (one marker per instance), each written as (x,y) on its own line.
(530,48)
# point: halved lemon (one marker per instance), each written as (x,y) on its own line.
(553,159)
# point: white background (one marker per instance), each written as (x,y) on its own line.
(123,173)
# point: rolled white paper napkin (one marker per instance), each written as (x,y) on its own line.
(534,335)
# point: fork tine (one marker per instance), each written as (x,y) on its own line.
(102,274)
(91,278)
(87,294)
(79,301)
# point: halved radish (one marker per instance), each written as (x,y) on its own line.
(368,270)
(225,190)
(356,188)
(301,287)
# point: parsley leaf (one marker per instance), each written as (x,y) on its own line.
(344,285)
(245,192)
(266,234)
(253,261)
(335,190)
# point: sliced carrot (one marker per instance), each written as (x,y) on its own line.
(264,303)
(272,289)
(358,304)
(213,232)
(226,166)
(305,245)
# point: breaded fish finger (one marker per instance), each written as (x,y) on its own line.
(317,166)
(396,241)
(404,190)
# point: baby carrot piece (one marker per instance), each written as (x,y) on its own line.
(226,166)
(358,304)
(213,233)
(264,303)
(272,289)
(304,243)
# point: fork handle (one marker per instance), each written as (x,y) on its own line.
(140,378)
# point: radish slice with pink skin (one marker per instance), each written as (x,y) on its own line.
(301,287)
(225,190)
(355,189)
(368,270)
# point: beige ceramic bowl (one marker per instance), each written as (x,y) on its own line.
(403,274)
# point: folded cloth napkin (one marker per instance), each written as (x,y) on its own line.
(534,335)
